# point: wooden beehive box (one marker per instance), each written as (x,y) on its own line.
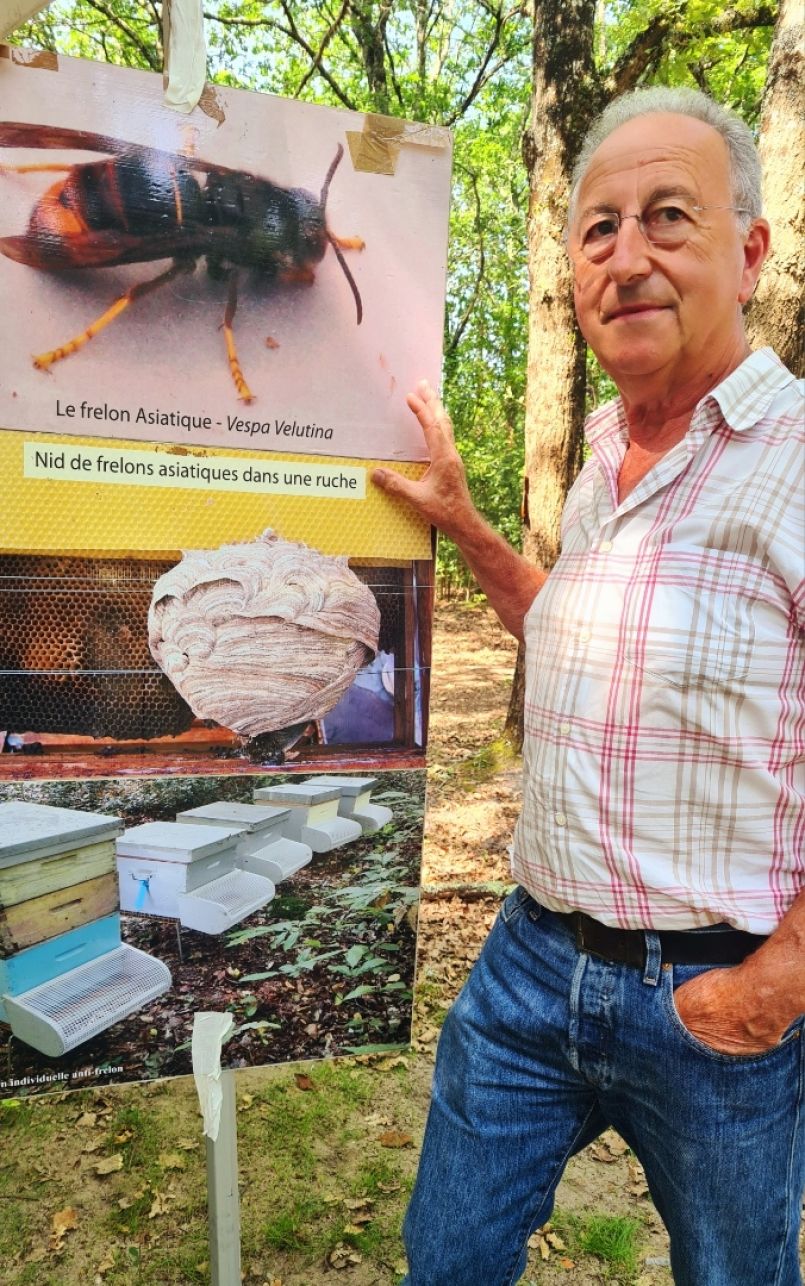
(312,814)
(262,847)
(355,801)
(189,874)
(65,974)
(57,872)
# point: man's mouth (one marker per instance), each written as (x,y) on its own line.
(645,309)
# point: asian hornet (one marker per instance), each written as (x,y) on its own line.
(140,204)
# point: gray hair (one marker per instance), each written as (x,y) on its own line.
(743,157)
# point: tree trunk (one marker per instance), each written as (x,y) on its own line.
(776,313)
(566,97)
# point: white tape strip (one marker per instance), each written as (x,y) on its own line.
(185,53)
(209,1033)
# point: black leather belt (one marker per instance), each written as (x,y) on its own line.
(717,946)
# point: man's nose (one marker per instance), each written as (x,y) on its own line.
(630,258)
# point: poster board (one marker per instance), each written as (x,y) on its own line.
(214,324)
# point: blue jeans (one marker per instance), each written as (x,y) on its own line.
(547,1046)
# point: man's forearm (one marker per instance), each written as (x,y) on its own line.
(508,580)
(774,975)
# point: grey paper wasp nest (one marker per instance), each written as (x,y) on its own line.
(262,635)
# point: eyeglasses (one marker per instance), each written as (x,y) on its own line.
(663,223)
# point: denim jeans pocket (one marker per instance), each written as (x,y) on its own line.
(515,903)
(674,977)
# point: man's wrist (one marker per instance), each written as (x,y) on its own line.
(770,991)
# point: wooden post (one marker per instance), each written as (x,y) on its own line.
(223,1197)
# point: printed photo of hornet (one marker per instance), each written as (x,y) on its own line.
(141,205)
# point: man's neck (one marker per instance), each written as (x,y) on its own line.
(659,406)
(659,409)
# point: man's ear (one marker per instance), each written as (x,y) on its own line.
(755,250)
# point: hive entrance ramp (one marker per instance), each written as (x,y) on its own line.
(277,861)
(214,907)
(69,1010)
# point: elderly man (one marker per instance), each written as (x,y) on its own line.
(649,971)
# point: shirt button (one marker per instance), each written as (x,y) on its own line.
(584,636)
(564,728)
(605,546)
(560,819)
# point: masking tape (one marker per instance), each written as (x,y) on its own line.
(375,148)
(43,59)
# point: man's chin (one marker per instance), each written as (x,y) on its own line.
(634,361)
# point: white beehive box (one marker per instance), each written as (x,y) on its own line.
(262,848)
(312,814)
(355,801)
(188,874)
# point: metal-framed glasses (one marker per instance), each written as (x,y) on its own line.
(666,224)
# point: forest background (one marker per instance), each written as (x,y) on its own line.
(518,83)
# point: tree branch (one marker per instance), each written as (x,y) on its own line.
(130,35)
(297,36)
(485,72)
(666,30)
(325,40)
(455,338)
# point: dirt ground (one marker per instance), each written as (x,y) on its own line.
(107,1187)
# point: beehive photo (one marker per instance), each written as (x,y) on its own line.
(127,905)
(246,278)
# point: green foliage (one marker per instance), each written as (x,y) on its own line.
(613,1239)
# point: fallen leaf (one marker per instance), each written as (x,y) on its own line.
(107,1263)
(161,1204)
(377,1118)
(109,1164)
(599,1153)
(614,1143)
(352,1230)
(86,1120)
(124,1136)
(172,1161)
(63,1221)
(555,1241)
(342,1256)
(304,1082)
(567,1263)
(395,1139)
(245,1102)
(187,1145)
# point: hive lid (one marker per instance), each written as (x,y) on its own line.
(304,793)
(30,831)
(252,818)
(175,842)
(346,785)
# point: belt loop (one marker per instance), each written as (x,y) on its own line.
(651,970)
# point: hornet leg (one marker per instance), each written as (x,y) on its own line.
(243,390)
(45,360)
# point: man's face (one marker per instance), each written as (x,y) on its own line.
(649,310)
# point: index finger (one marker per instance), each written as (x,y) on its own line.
(429,409)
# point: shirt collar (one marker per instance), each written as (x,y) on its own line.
(743,398)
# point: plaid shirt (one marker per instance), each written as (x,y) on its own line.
(665,697)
